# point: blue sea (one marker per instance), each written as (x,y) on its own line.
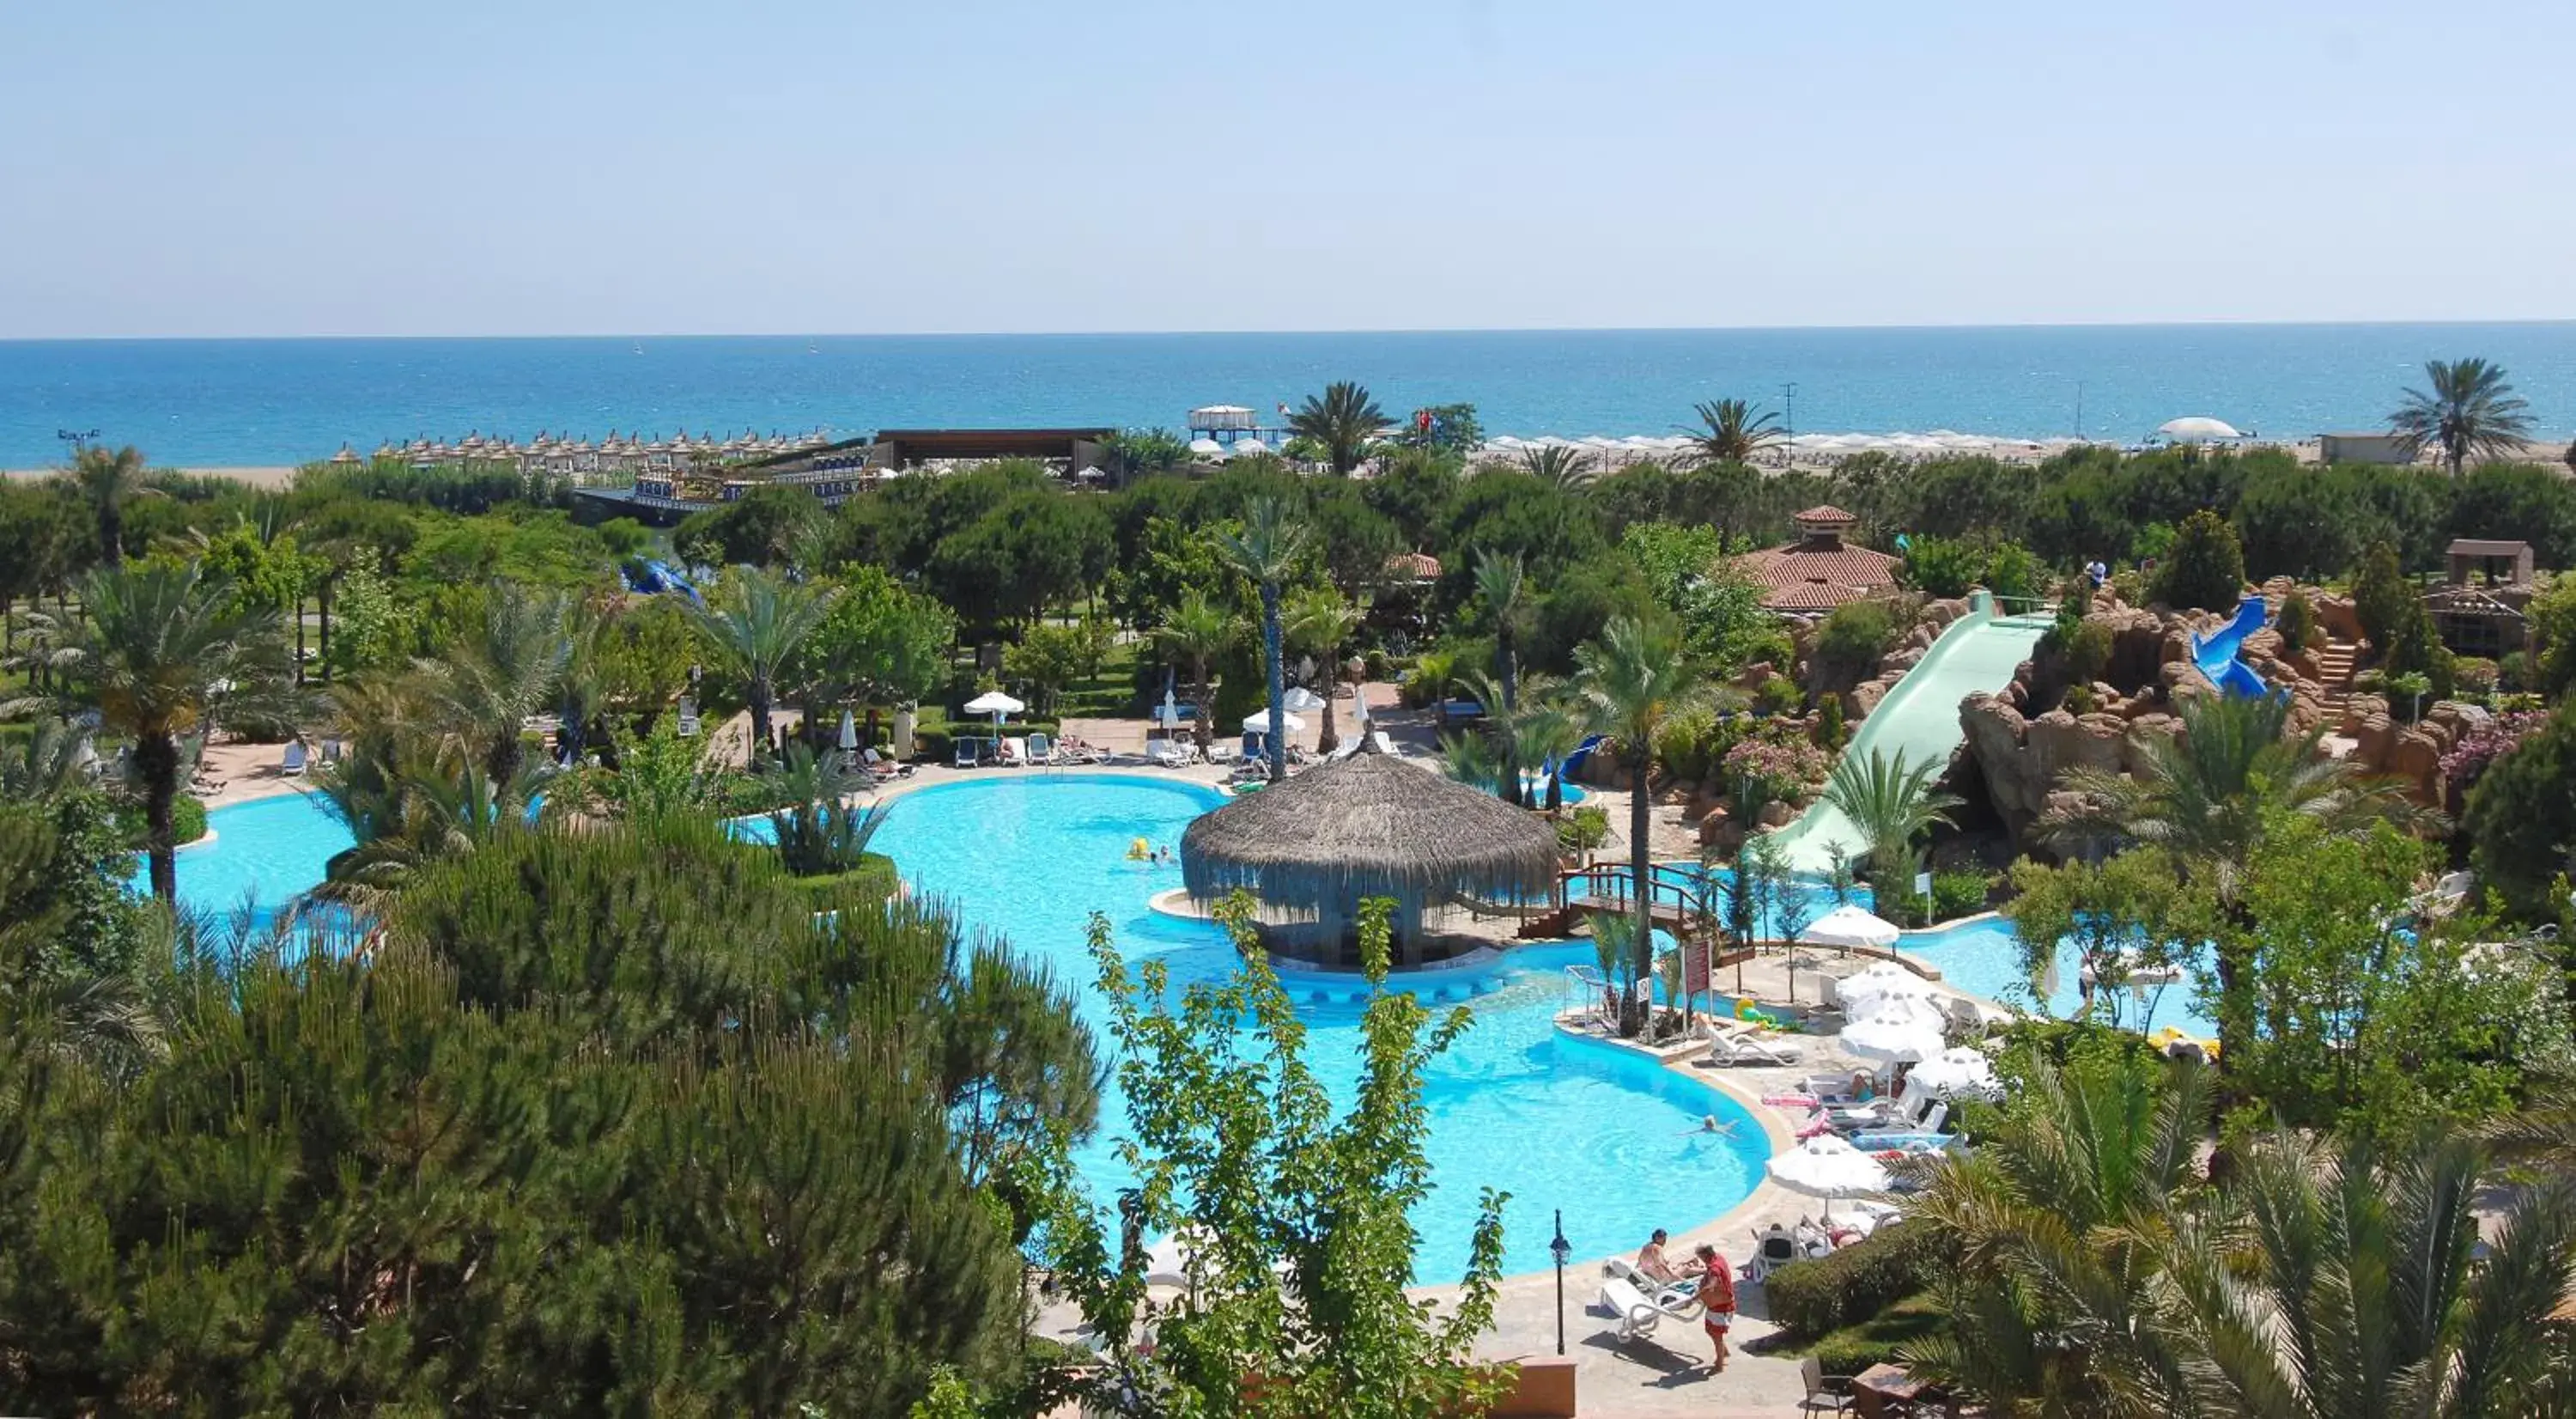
(212,403)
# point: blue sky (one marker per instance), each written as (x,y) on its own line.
(571,166)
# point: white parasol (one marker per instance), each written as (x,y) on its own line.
(1258,722)
(1850,926)
(849,740)
(1897,1032)
(1863,992)
(1300,700)
(1956,1071)
(996,704)
(1829,1167)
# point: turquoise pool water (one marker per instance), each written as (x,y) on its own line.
(1981,957)
(1612,1139)
(264,854)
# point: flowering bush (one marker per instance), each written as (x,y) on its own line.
(2482,746)
(1785,769)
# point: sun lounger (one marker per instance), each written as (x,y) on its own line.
(881,768)
(1672,1295)
(1772,1250)
(292,763)
(970,752)
(1170,753)
(1735,1047)
(1638,1312)
(1041,749)
(1074,751)
(1012,753)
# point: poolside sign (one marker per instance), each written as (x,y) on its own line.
(1923,884)
(1695,968)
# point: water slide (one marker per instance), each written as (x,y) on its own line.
(1920,717)
(2215,654)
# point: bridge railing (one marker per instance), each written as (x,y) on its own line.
(1613,882)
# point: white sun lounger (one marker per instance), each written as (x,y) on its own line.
(1735,1047)
(1170,753)
(1638,1312)
(293,761)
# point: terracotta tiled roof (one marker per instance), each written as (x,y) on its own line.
(1800,578)
(1418,565)
(1825,512)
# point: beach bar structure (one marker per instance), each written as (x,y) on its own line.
(2480,607)
(1311,848)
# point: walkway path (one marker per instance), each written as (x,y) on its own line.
(1920,718)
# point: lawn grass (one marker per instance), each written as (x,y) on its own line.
(1855,1348)
(1107,695)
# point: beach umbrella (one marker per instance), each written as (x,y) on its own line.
(1299,701)
(1956,1071)
(1897,1032)
(996,704)
(1864,994)
(1828,1167)
(2196,428)
(1250,446)
(1258,722)
(849,734)
(1207,448)
(1849,926)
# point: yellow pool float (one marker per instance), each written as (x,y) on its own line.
(2171,1035)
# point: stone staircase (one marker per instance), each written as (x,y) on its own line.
(2334,661)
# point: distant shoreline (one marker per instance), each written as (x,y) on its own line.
(257,477)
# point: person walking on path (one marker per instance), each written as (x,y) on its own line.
(1717,1298)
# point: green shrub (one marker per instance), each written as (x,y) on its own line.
(2382,595)
(1957,894)
(2207,567)
(1584,828)
(187,819)
(2015,573)
(1942,567)
(2081,700)
(935,745)
(1852,639)
(2297,622)
(1854,1283)
(874,877)
(1882,1338)
(1830,726)
(2476,675)
(1779,695)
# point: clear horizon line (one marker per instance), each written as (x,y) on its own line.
(2216,323)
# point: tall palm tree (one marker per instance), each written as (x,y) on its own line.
(1564,469)
(1730,431)
(487,687)
(1629,684)
(755,626)
(1502,584)
(1320,623)
(1344,421)
(1892,802)
(2470,411)
(161,652)
(53,759)
(107,482)
(421,805)
(1197,632)
(1265,552)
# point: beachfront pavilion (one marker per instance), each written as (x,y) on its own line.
(1312,847)
(1820,570)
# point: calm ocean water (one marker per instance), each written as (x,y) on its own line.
(260,402)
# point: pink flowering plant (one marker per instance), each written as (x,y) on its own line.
(2485,744)
(1785,769)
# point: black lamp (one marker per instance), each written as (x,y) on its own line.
(1561,1249)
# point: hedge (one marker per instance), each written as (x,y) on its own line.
(1854,1283)
(187,822)
(875,875)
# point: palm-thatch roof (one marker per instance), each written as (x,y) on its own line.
(1369,826)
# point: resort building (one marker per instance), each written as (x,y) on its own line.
(1819,571)
(2478,609)
(2363,448)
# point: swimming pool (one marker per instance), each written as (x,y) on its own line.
(265,853)
(1610,1137)
(1982,958)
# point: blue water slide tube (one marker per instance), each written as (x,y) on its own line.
(2216,653)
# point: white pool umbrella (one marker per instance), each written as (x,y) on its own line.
(1207,448)
(1850,926)
(1250,446)
(1863,992)
(849,734)
(1258,722)
(1170,715)
(1956,1071)
(2198,428)
(1895,1033)
(1830,1168)
(1299,701)
(996,704)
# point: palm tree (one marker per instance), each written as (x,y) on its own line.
(107,482)
(54,759)
(2359,1291)
(160,653)
(1196,632)
(755,626)
(1502,584)
(1730,431)
(1343,422)
(486,688)
(2058,1221)
(1320,623)
(1628,685)
(2469,411)
(1564,469)
(417,805)
(1891,802)
(1266,552)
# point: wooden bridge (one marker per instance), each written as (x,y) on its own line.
(1675,906)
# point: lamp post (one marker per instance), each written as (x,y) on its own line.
(1560,1249)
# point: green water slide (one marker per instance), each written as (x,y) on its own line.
(1920,717)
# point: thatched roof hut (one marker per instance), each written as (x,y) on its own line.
(1318,844)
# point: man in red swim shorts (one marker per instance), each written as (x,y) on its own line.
(1717,1297)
